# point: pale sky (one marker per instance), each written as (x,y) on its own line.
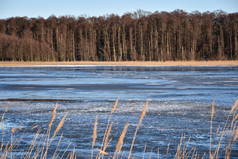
(45,8)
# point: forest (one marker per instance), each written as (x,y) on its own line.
(137,36)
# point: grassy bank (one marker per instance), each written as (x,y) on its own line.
(125,63)
(42,140)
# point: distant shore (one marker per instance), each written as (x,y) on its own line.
(124,63)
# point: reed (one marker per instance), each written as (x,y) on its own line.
(234,106)
(94,135)
(38,150)
(59,126)
(4,114)
(52,117)
(108,122)
(212,114)
(107,136)
(144,151)
(120,141)
(2,125)
(138,125)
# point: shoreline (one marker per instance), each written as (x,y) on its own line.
(124,63)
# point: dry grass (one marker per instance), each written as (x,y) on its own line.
(37,150)
(123,63)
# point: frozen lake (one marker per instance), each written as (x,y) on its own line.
(180,103)
(103,83)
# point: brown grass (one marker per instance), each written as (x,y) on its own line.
(124,63)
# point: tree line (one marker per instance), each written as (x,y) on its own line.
(138,36)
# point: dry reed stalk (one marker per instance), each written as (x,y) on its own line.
(212,114)
(114,106)
(236,133)
(64,152)
(43,146)
(185,150)
(106,141)
(222,134)
(233,140)
(236,117)
(140,120)
(234,106)
(219,144)
(158,153)
(203,155)
(5,153)
(151,153)
(52,116)
(120,141)
(177,155)
(167,154)
(144,151)
(12,144)
(113,109)
(72,155)
(59,126)
(34,127)
(94,135)
(2,124)
(103,152)
(48,131)
(37,151)
(28,155)
(4,114)
(107,136)
(57,146)
(188,153)
(218,128)
(194,151)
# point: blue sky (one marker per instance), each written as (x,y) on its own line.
(45,8)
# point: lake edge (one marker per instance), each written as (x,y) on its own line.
(123,63)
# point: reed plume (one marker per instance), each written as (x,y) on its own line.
(120,141)
(60,125)
(140,120)
(115,105)
(113,109)
(49,129)
(234,106)
(14,129)
(52,117)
